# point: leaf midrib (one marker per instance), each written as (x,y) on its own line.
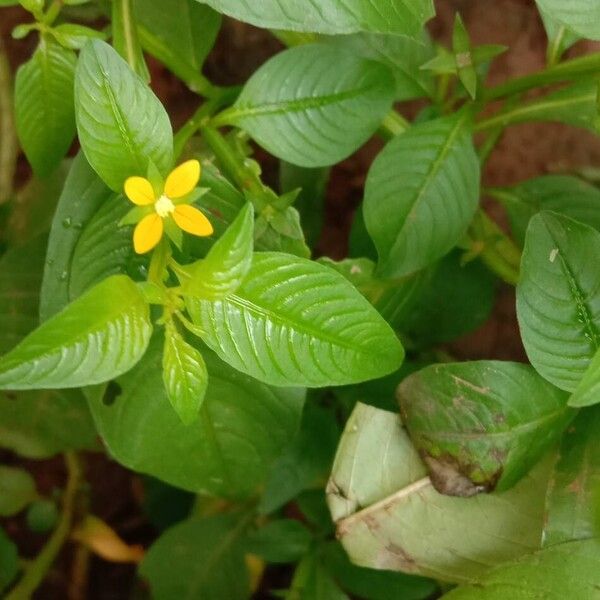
(288,106)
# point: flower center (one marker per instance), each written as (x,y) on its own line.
(164,206)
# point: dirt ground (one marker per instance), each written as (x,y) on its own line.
(524,151)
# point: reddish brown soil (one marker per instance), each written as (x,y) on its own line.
(524,151)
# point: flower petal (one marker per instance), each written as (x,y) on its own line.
(183,179)
(140,191)
(147,233)
(193,221)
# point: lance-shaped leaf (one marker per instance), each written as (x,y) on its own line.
(572,503)
(296,322)
(184,374)
(122,125)
(45,116)
(331,16)
(40,424)
(481,426)
(564,194)
(581,16)
(242,427)
(389,515)
(563,571)
(99,336)
(558,298)
(179,33)
(313,105)
(226,264)
(421,194)
(210,560)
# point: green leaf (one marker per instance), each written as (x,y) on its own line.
(42,516)
(313,105)
(582,16)
(571,504)
(560,38)
(558,298)
(45,117)
(184,375)
(305,462)
(281,541)
(73,36)
(332,16)
(454,300)
(242,428)
(99,336)
(295,322)
(121,123)
(39,425)
(199,558)
(9,560)
(227,263)
(482,425)
(586,393)
(402,55)
(389,515)
(83,193)
(179,33)
(421,194)
(312,581)
(20,280)
(375,584)
(17,490)
(563,194)
(563,571)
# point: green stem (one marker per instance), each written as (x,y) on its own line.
(39,567)
(497,251)
(565,71)
(125,37)
(234,165)
(392,125)
(202,117)
(9,148)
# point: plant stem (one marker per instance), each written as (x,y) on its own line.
(497,251)
(9,147)
(565,71)
(392,125)
(38,568)
(53,12)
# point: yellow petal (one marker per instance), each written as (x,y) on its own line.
(183,179)
(190,219)
(140,191)
(147,233)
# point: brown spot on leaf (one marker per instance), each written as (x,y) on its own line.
(448,477)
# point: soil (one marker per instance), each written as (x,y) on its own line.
(524,152)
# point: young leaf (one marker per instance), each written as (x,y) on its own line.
(313,105)
(44,111)
(558,298)
(564,194)
(17,490)
(560,38)
(402,55)
(571,503)
(242,427)
(581,16)
(40,424)
(184,375)
(421,194)
(563,571)
(222,271)
(481,426)
(210,560)
(296,322)
(405,17)
(99,336)
(179,33)
(121,123)
(389,515)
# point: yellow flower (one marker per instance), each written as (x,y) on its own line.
(171,204)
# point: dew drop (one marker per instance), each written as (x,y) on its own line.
(67,222)
(63,276)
